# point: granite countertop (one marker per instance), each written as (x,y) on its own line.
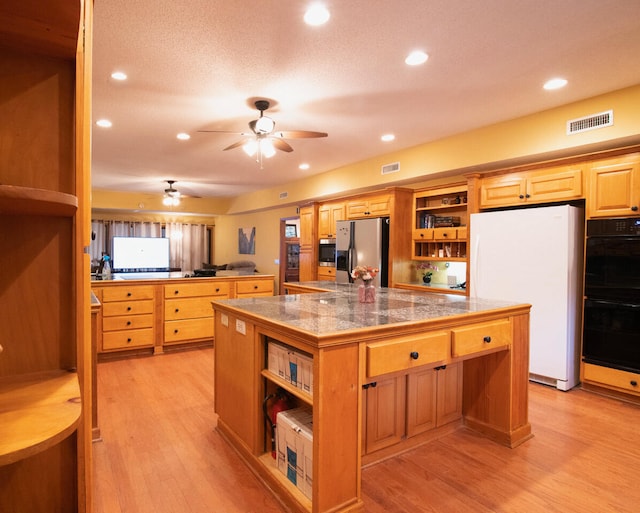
(338,309)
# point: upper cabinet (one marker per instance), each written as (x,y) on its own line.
(378,205)
(328,215)
(440,224)
(614,187)
(539,186)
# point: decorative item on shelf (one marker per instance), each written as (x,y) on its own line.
(366,290)
(426,268)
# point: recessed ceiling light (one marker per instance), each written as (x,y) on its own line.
(387,137)
(119,75)
(303,166)
(554,83)
(316,14)
(104,123)
(416,58)
(183,136)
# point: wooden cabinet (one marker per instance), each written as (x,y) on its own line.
(378,205)
(384,407)
(616,380)
(434,398)
(147,316)
(127,317)
(614,187)
(326,273)
(539,186)
(188,315)
(45,339)
(328,215)
(440,224)
(308,243)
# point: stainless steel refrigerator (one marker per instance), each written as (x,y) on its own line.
(535,256)
(363,242)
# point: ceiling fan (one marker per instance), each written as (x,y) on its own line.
(171,195)
(263,139)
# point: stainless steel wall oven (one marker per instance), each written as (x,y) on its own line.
(611,334)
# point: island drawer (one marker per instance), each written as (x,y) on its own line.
(127,322)
(407,352)
(127,308)
(132,293)
(197,289)
(480,337)
(188,308)
(177,331)
(127,339)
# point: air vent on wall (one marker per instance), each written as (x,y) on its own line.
(390,168)
(592,122)
(283,195)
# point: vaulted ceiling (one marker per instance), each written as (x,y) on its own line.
(201,64)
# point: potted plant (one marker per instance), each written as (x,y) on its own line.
(426,268)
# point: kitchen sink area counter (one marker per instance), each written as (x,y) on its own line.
(475,349)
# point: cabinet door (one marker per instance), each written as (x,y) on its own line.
(328,215)
(421,401)
(449,394)
(502,190)
(372,206)
(384,409)
(554,185)
(614,188)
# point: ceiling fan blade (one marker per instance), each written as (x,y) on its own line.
(298,134)
(281,145)
(234,145)
(221,132)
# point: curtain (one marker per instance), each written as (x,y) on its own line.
(187,242)
(187,245)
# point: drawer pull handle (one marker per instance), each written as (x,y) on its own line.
(487,339)
(255,287)
(177,310)
(633,383)
(217,290)
(128,340)
(128,323)
(128,294)
(373,384)
(176,292)
(128,309)
(175,331)
(414,355)
(634,208)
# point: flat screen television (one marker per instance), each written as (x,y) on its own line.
(140,254)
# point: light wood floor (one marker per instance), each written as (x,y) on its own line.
(160,453)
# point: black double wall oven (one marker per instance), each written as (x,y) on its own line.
(611,335)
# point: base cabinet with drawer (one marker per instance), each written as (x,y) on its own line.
(127,317)
(149,316)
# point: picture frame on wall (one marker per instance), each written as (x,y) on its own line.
(290,230)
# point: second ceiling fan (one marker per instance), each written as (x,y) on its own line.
(263,138)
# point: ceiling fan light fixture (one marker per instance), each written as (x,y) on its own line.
(266,148)
(170,201)
(250,147)
(264,125)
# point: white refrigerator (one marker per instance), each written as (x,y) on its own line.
(535,256)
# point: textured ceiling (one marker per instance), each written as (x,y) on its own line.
(198,65)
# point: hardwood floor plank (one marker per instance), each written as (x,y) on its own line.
(161,454)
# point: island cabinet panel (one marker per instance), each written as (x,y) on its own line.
(384,406)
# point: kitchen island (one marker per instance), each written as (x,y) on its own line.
(351,346)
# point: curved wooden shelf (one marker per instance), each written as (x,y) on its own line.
(29,201)
(37,411)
